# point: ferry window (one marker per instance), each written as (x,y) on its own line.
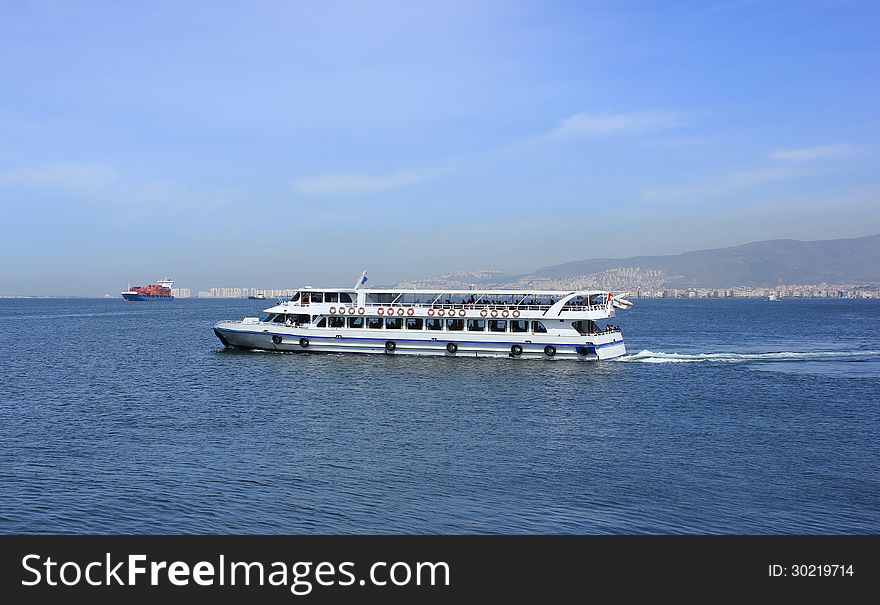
(355,322)
(295,297)
(269,317)
(519,325)
(455,324)
(433,324)
(584,326)
(344,297)
(498,325)
(322,323)
(393,323)
(331,297)
(538,327)
(317,297)
(414,323)
(476,325)
(279,319)
(337,322)
(374,323)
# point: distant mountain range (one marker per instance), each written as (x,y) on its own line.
(757,264)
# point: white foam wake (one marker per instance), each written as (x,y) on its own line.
(654,357)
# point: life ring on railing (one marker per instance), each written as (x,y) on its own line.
(381,311)
(494,312)
(462,313)
(410,311)
(484,313)
(505,313)
(515,313)
(332,310)
(361,311)
(276,339)
(431,312)
(441,312)
(390,311)
(352,311)
(401,311)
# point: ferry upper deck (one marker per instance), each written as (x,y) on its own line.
(574,304)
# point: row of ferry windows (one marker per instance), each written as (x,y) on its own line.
(322,297)
(418,323)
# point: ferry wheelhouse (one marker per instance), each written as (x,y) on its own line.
(458,323)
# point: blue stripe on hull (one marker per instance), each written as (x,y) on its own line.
(592,347)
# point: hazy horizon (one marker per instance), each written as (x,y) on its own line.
(276,145)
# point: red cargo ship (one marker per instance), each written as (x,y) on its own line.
(160,291)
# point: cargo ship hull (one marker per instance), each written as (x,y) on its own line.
(137,297)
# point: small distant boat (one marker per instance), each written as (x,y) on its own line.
(257,297)
(772,298)
(158,291)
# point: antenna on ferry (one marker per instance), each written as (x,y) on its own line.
(361,280)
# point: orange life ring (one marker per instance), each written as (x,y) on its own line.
(401,311)
(462,313)
(390,311)
(332,310)
(494,313)
(505,313)
(361,311)
(515,313)
(352,311)
(431,312)
(441,312)
(484,313)
(410,311)
(381,311)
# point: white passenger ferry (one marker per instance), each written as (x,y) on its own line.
(457,323)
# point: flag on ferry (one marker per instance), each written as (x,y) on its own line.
(361,281)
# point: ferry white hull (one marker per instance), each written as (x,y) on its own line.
(281,338)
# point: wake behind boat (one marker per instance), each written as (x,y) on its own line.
(547,324)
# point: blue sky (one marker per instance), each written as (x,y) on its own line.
(273,144)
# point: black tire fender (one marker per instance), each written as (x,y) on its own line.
(516,350)
(304,342)
(549,350)
(276,339)
(452,347)
(390,346)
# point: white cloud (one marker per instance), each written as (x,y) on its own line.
(733,181)
(67,176)
(805,154)
(354,184)
(586,125)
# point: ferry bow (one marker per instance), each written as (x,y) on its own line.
(549,324)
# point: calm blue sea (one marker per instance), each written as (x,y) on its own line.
(728,416)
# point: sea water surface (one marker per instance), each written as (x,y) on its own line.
(727,416)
